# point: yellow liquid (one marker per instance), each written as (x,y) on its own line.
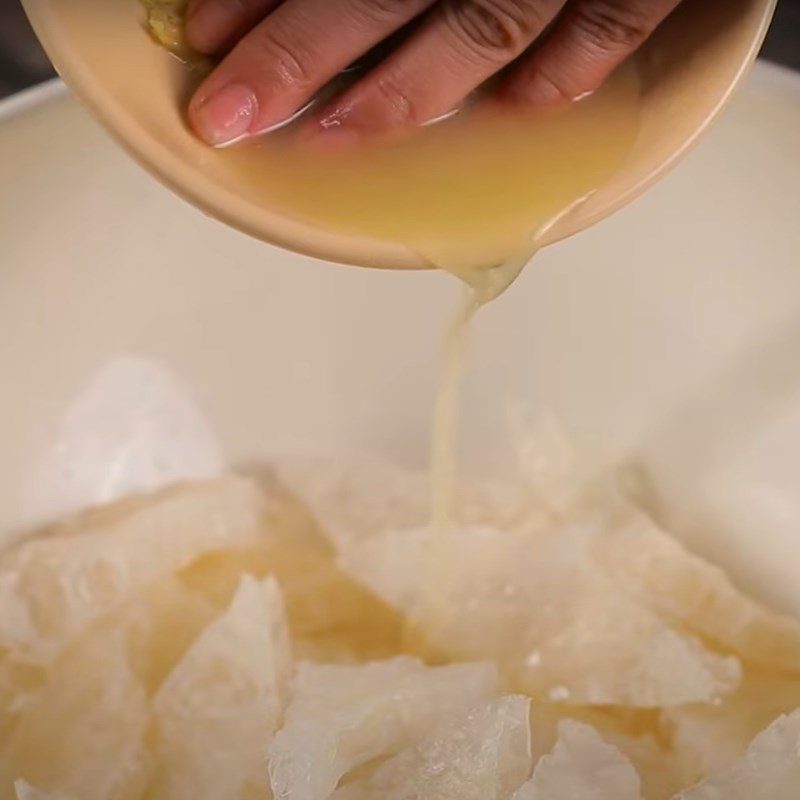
(468,194)
(472,194)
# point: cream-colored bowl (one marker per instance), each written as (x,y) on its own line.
(695,61)
(671,333)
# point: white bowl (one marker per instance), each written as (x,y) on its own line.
(670,333)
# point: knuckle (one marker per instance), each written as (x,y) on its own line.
(552,85)
(612,25)
(494,30)
(381,12)
(285,57)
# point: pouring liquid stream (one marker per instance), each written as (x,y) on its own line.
(481,286)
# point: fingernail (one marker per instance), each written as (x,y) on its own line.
(225,116)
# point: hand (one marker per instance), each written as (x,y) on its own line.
(280,53)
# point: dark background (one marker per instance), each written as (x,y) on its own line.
(23,64)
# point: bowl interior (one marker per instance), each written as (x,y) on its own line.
(137,90)
(140,340)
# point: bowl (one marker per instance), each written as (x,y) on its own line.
(692,65)
(141,341)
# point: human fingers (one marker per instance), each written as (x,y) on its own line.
(279,66)
(590,40)
(456,49)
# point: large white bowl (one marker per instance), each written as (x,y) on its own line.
(671,334)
